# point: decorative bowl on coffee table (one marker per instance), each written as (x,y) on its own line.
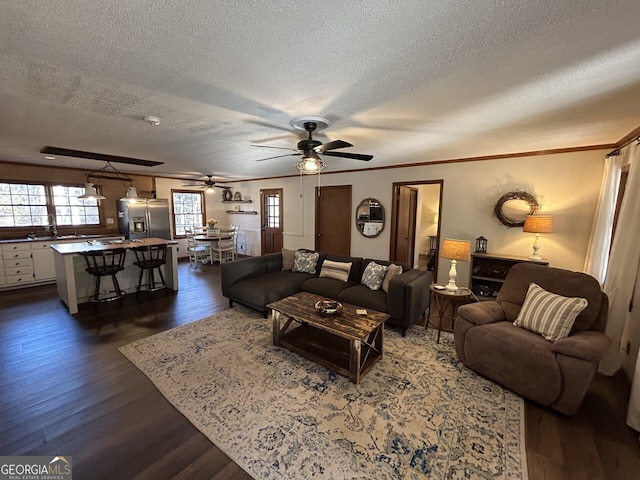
(328,307)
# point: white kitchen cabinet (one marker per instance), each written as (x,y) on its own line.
(32,262)
(44,267)
(17,266)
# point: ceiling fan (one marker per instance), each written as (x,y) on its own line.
(208,184)
(310,148)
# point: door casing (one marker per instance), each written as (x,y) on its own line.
(396,215)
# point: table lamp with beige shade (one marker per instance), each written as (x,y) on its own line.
(455,250)
(537,224)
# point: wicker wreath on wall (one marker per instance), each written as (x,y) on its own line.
(510,222)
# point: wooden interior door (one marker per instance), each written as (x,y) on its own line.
(271,240)
(403,242)
(333,219)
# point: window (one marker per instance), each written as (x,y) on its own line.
(71,210)
(29,205)
(272,210)
(22,205)
(188,210)
(624,175)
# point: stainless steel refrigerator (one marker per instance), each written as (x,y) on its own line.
(148,217)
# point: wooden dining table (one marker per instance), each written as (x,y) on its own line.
(206,238)
(213,241)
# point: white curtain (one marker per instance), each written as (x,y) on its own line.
(633,410)
(597,257)
(621,284)
(623,265)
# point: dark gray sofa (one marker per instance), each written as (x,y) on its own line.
(257,281)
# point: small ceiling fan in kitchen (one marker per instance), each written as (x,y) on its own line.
(207,184)
(310,150)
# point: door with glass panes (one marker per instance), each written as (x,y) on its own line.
(271,215)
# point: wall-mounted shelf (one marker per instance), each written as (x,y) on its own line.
(242,212)
(237,201)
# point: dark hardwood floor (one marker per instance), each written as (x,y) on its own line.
(66,390)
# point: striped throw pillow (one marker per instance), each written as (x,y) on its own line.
(549,314)
(337,270)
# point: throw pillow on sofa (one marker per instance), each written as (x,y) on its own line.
(549,314)
(288,257)
(337,270)
(392,271)
(373,275)
(305,262)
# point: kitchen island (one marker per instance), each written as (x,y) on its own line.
(75,285)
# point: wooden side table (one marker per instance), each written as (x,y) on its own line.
(444,299)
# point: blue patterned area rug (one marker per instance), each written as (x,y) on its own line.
(418,414)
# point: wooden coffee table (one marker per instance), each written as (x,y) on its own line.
(347,343)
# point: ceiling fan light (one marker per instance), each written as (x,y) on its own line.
(310,165)
(210,189)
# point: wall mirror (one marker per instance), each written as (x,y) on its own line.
(370,217)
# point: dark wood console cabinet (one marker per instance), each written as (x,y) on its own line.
(488,272)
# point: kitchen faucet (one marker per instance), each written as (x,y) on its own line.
(51,224)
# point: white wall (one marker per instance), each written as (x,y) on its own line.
(566,185)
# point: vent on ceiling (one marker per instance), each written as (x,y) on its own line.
(66,152)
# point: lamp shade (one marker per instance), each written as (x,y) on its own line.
(538,224)
(456,249)
(132,195)
(91,192)
(132,192)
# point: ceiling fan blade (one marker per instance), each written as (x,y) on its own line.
(333,145)
(270,146)
(353,156)
(278,156)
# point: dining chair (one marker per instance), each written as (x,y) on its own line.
(223,248)
(197,252)
(235,228)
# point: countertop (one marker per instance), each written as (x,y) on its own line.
(80,238)
(78,247)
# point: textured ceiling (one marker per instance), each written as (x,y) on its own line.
(406,81)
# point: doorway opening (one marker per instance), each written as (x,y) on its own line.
(415,223)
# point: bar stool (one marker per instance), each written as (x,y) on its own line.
(102,264)
(150,257)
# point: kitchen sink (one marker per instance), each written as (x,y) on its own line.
(59,237)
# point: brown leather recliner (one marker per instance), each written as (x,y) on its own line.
(552,374)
